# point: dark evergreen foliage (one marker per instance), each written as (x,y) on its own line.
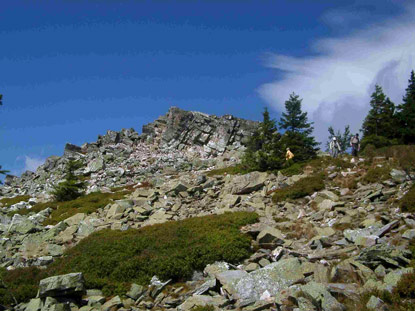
(379,126)
(298,130)
(72,187)
(263,150)
(406,113)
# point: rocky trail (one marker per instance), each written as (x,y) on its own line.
(320,251)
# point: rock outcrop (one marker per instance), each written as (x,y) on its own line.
(180,140)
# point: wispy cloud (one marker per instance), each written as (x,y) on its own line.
(337,81)
(30,164)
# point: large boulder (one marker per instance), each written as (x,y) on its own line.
(249,287)
(71,284)
(383,254)
(321,297)
(247,183)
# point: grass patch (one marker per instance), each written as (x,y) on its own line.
(303,187)
(6,202)
(230,170)
(20,284)
(204,308)
(407,203)
(295,169)
(377,174)
(86,204)
(111,260)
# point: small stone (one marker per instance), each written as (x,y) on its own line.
(409,234)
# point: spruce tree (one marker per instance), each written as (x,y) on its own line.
(298,130)
(72,187)
(406,113)
(263,152)
(380,120)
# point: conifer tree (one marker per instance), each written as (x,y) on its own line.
(263,152)
(380,120)
(298,130)
(72,187)
(406,113)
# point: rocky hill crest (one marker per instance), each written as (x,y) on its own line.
(180,140)
(325,235)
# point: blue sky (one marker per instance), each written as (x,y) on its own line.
(70,70)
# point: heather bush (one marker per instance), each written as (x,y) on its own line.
(303,187)
(6,202)
(377,174)
(20,284)
(407,203)
(110,260)
(86,204)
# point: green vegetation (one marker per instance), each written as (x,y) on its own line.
(407,203)
(266,148)
(73,187)
(230,170)
(377,174)
(387,124)
(297,136)
(295,169)
(6,202)
(111,260)
(264,151)
(204,308)
(20,284)
(406,113)
(303,187)
(379,126)
(86,204)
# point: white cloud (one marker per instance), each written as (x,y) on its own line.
(31,164)
(336,83)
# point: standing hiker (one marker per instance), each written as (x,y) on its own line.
(289,155)
(355,144)
(334,147)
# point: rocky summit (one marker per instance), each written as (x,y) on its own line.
(179,141)
(312,247)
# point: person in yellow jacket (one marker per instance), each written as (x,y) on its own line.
(289,155)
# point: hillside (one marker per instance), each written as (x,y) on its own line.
(168,224)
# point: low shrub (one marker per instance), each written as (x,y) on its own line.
(86,204)
(6,202)
(230,170)
(303,187)
(62,210)
(377,174)
(204,308)
(407,203)
(20,284)
(377,141)
(110,260)
(295,169)
(172,250)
